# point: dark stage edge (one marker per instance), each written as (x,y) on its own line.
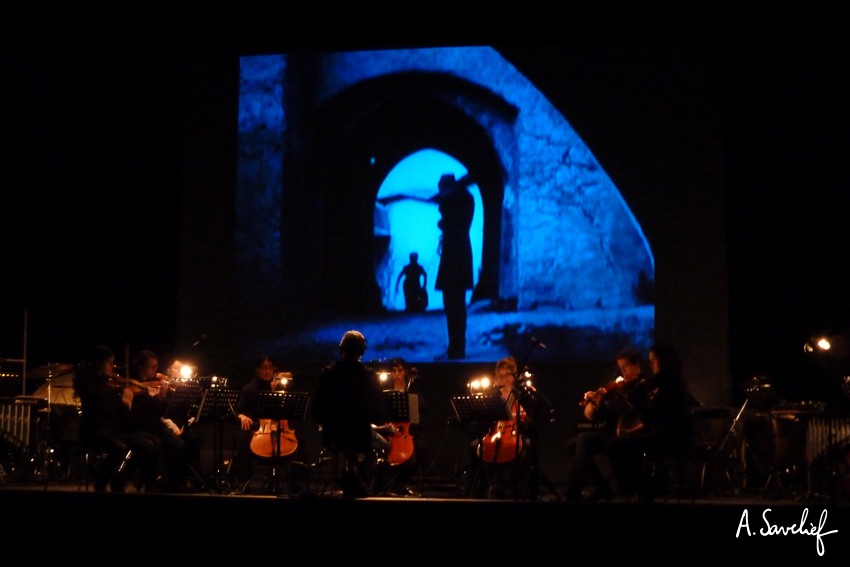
(696,527)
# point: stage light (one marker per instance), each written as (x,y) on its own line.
(281,380)
(820,344)
(479,386)
(188,372)
(182,371)
(212,382)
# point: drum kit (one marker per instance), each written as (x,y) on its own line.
(791,447)
(58,422)
(53,422)
(58,390)
(36,426)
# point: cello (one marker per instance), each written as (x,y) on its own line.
(401,444)
(274,437)
(273,431)
(401,441)
(503,443)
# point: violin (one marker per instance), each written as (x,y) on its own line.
(595,396)
(629,419)
(116,381)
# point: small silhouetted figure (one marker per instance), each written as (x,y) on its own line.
(415,285)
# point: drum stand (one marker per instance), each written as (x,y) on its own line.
(784,465)
(721,459)
(733,430)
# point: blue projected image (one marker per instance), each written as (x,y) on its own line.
(344,156)
(407,218)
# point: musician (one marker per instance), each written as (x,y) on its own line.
(506,463)
(348,401)
(663,402)
(106,425)
(149,411)
(242,462)
(403,378)
(609,407)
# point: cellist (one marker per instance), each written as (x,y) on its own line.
(242,461)
(407,448)
(502,450)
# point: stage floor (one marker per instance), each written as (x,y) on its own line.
(709,526)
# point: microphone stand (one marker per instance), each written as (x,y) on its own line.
(518,389)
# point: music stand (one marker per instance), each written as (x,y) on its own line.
(279,406)
(282,405)
(181,400)
(480,409)
(401,406)
(217,403)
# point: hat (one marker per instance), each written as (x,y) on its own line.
(447,181)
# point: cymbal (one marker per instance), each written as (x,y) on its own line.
(60,391)
(49,370)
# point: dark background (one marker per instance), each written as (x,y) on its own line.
(95,169)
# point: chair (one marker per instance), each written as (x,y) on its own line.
(717,447)
(95,457)
(668,472)
(671,471)
(326,470)
(337,474)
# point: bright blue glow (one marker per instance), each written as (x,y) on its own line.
(563,257)
(412,223)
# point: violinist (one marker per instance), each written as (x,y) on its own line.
(106,425)
(663,402)
(150,391)
(610,407)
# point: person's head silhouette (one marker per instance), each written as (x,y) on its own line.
(352,345)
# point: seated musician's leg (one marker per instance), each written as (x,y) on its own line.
(626,455)
(582,469)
